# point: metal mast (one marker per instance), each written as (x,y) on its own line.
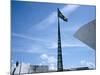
(59,61)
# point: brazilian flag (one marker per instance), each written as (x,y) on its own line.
(62,16)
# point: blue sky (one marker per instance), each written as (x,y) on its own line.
(34,34)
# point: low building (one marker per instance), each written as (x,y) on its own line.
(29,69)
(38,68)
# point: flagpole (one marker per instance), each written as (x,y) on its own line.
(59,61)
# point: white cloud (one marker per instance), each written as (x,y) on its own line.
(90,64)
(68,9)
(54,45)
(44,56)
(87,63)
(26,37)
(32,48)
(42,45)
(51,19)
(35,49)
(38,48)
(83,62)
(49,60)
(52,67)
